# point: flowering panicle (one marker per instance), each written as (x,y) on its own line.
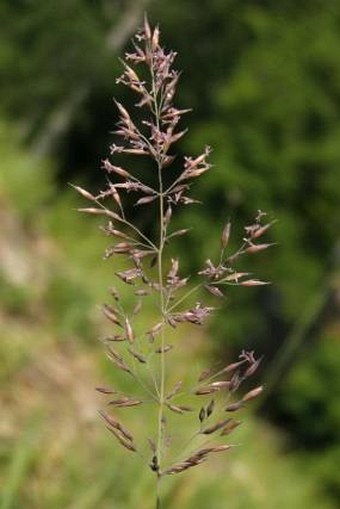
(145,353)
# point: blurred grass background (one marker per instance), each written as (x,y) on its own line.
(263,78)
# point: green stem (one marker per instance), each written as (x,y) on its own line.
(162,234)
(162,306)
(185,296)
(158,494)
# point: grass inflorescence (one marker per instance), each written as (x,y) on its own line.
(145,354)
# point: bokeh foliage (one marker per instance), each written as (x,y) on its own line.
(263,78)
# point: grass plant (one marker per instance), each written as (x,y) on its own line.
(146,353)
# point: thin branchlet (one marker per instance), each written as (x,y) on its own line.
(144,352)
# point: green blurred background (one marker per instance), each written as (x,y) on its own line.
(263,79)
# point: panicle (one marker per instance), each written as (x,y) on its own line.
(138,345)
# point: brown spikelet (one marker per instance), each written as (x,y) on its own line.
(211,388)
(120,364)
(205,374)
(128,276)
(155,39)
(221,384)
(230,426)
(225,235)
(210,408)
(261,230)
(221,448)
(111,314)
(233,407)
(109,419)
(253,282)
(115,337)
(115,195)
(154,465)
(122,248)
(168,215)
(215,427)
(100,212)
(125,402)
(214,290)
(122,110)
(203,391)
(114,353)
(252,394)
(235,381)
(105,390)
(255,248)
(147,29)
(124,431)
(113,423)
(125,443)
(177,233)
(164,349)
(142,293)
(179,409)
(252,368)
(196,459)
(84,193)
(145,200)
(135,151)
(232,367)
(202,414)
(128,330)
(110,168)
(236,276)
(184,465)
(137,356)
(174,390)
(154,330)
